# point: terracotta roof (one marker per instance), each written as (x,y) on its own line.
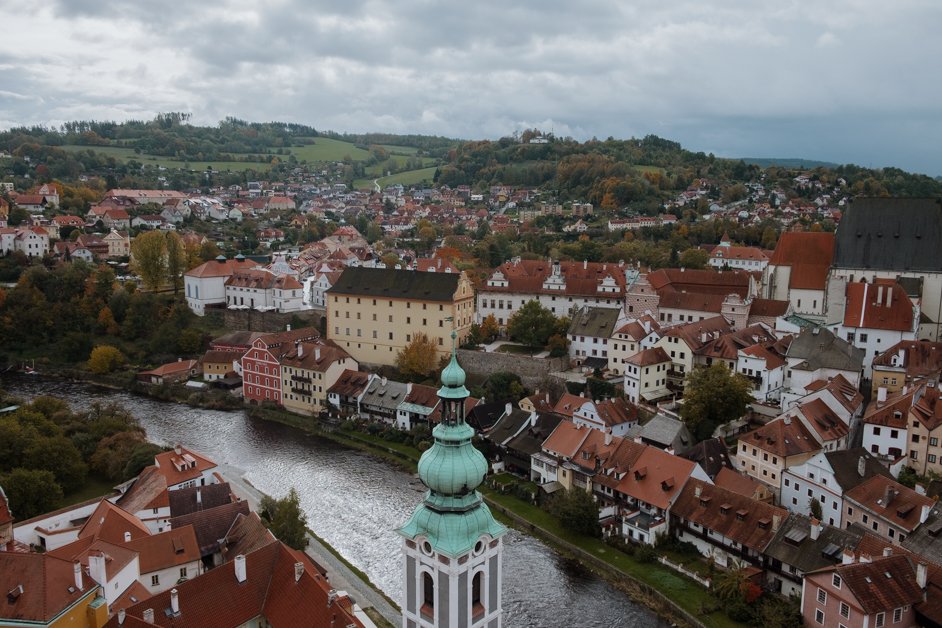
(728,345)
(46,582)
(171,368)
(271,590)
(738,253)
(211,525)
(258,278)
(567,438)
(116,555)
(636,330)
(928,410)
(286,339)
(744,485)
(220,268)
(166,549)
(893,411)
(737,517)
(148,491)
(920,358)
(718,282)
(350,383)
(132,595)
(886,498)
(884,584)
(881,305)
(581,278)
(698,333)
(246,534)
(822,420)
(109,523)
(784,437)
(218,356)
(846,393)
(656,477)
(768,308)
(762,352)
(809,254)
(568,404)
(655,355)
(183,466)
(616,411)
(314,356)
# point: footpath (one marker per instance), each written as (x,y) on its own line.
(340,576)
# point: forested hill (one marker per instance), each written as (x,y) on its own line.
(637,174)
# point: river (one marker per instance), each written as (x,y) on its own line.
(354,502)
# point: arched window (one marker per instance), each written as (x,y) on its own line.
(477,585)
(428,594)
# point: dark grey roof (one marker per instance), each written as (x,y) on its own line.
(183,501)
(484,416)
(711,454)
(794,546)
(387,396)
(926,540)
(901,234)
(819,348)
(530,440)
(663,431)
(388,283)
(845,466)
(508,426)
(597,322)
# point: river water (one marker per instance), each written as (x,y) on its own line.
(354,502)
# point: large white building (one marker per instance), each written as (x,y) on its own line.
(205,285)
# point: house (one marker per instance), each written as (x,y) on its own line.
(43,590)
(664,432)
(147,498)
(261,364)
(119,243)
(766,452)
(170,373)
(344,395)
(681,342)
(826,477)
(890,238)
(763,364)
(886,422)
(925,429)
(558,286)
(798,272)
(905,363)
(212,526)
(373,313)
(589,334)
(891,510)
(817,354)
(743,484)
(31,241)
(519,449)
(712,455)
(33,203)
(645,379)
(263,290)
(308,372)
(568,404)
(148,221)
(72,251)
(205,285)
(218,364)
(881,592)
(381,399)
(674,296)
(728,527)
(725,255)
(116,219)
(877,316)
(615,416)
(183,468)
(630,338)
(418,407)
(167,558)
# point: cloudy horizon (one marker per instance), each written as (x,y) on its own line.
(847,81)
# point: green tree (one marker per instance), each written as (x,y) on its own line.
(31,492)
(176,260)
(105,359)
(815,508)
(503,386)
(577,510)
(286,520)
(149,258)
(532,324)
(694,258)
(418,359)
(113,453)
(730,584)
(714,395)
(59,456)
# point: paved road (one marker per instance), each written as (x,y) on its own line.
(339,575)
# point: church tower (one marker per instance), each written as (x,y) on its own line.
(452,544)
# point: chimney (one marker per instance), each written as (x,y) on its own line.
(922,571)
(177,449)
(697,491)
(299,348)
(298,571)
(585,264)
(174,602)
(881,394)
(148,616)
(925,513)
(889,296)
(865,558)
(240,568)
(121,617)
(815,529)
(920,489)
(776,522)
(847,558)
(887,551)
(127,536)
(887,495)
(608,438)
(288,327)
(382,381)
(879,295)
(199,497)
(861,466)
(317,354)
(77,571)
(508,408)
(96,568)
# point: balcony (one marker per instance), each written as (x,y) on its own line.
(301,379)
(301,391)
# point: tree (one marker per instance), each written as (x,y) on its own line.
(694,258)
(730,585)
(815,508)
(504,386)
(31,492)
(714,395)
(577,510)
(59,456)
(149,258)
(418,359)
(286,520)
(105,359)
(532,324)
(176,260)
(489,328)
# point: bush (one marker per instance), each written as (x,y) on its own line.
(105,359)
(646,554)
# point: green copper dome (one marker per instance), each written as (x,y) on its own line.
(453,377)
(453,466)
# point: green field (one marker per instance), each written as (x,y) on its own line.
(410,177)
(326,149)
(118,152)
(400,150)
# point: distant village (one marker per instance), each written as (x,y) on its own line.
(837,332)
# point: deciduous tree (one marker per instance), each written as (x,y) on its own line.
(286,520)
(532,324)
(105,359)
(176,260)
(418,359)
(31,492)
(714,395)
(149,258)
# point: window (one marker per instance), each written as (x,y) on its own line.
(880,620)
(477,607)
(836,582)
(819,616)
(822,596)
(155,580)
(845,610)
(933,441)
(897,615)
(183,572)
(428,595)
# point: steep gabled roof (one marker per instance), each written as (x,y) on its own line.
(897,234)
(884,584)
(887,498)
(880,305)
(387,283)
(166,549)
(809,255)
(46,583)
(784,437)
(109,523)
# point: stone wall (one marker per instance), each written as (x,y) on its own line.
(253,320)
(532,371)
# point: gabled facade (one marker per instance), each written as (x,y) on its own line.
(630,337)
(307,373)
(261,364)
(886,508)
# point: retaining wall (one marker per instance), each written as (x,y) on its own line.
(531,370)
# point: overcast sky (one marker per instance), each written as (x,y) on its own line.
(837,80)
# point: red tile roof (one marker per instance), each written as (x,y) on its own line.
(568,404)
(46,582)
(655,355)
(809,255)
(886,498)
(656,477)
(220,268)
(783,437)
(110,523)
(885,584)
(582,279)
(881,305)
(166,549)
(181,465)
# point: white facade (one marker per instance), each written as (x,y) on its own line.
(873,341)
(203,291)
(767,382)
(54,530)
(813,479)
(587,416)
(164,579)
(503,305)
(112,588)
(885,441)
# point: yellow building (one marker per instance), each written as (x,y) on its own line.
(307,373)
(373,313)
(51,592)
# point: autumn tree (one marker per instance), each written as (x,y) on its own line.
(176,260)
(285,519)
(694,258)
(149,258)
(532,324)
(418,359)
(489,328)
(714,395)
(105,359)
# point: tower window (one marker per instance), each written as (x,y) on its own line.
(477,607)
(428,595)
